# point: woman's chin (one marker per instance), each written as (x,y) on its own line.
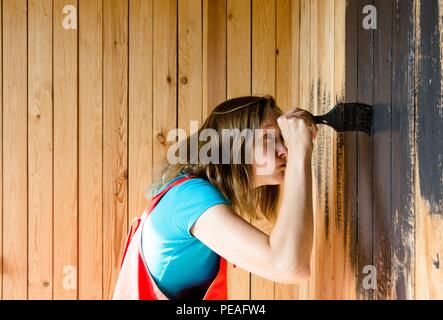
(278,178)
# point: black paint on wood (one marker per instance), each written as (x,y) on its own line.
(381,173)
(429,107)
(379,169)
(350,139)
(364,153)
(403,213)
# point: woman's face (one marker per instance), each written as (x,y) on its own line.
(270,154)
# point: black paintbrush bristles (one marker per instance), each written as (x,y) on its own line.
(345,117)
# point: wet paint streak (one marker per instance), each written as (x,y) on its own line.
(323,183)
(429,106)
(340,178)
(436,263)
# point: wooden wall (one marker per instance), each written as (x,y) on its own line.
(86,112)
(397,177)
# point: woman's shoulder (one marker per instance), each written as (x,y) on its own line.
(198,187)
(199,184)
(184,203)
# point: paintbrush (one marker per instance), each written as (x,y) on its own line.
(345,117)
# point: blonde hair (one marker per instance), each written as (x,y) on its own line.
(235,181)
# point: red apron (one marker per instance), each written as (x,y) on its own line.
(134,280)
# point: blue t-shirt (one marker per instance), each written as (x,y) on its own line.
(181,265)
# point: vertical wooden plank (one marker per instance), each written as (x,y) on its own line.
(65,156)
(190,99)
(287,83)
(40,149)
(322,92)
(140,103)
(15,215)
(350,147)
(238,76)
(305,52)
(329,156)
(239,35)
(90,150)
(214,54)
(402,210)
(342,267)
(365,154)
(429,150)
(313,107)
(165,76)
(304,95)
(263,82)
(115,135)
(381,173)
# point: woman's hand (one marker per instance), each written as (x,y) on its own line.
(298,129)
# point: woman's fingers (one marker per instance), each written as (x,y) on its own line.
(298,127)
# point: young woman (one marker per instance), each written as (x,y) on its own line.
(205,218)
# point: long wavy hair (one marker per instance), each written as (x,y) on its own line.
(235,181)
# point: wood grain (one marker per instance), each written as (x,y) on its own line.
(165,86)
(190,65)
(140,104)
(115,138)
(90,139)
(40,150)
(214,54)
(65,156)
(15,142)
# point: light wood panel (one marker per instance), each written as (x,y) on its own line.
(65,156)
(15,142)
(190,64)
(40,150)
(90,137)
(214,54)
(115,138)
(140,103)
(164,76)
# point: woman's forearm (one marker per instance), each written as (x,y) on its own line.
(292,236)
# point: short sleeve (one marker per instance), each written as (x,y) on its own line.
(193,197)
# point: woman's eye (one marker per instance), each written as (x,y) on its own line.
(269,141)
